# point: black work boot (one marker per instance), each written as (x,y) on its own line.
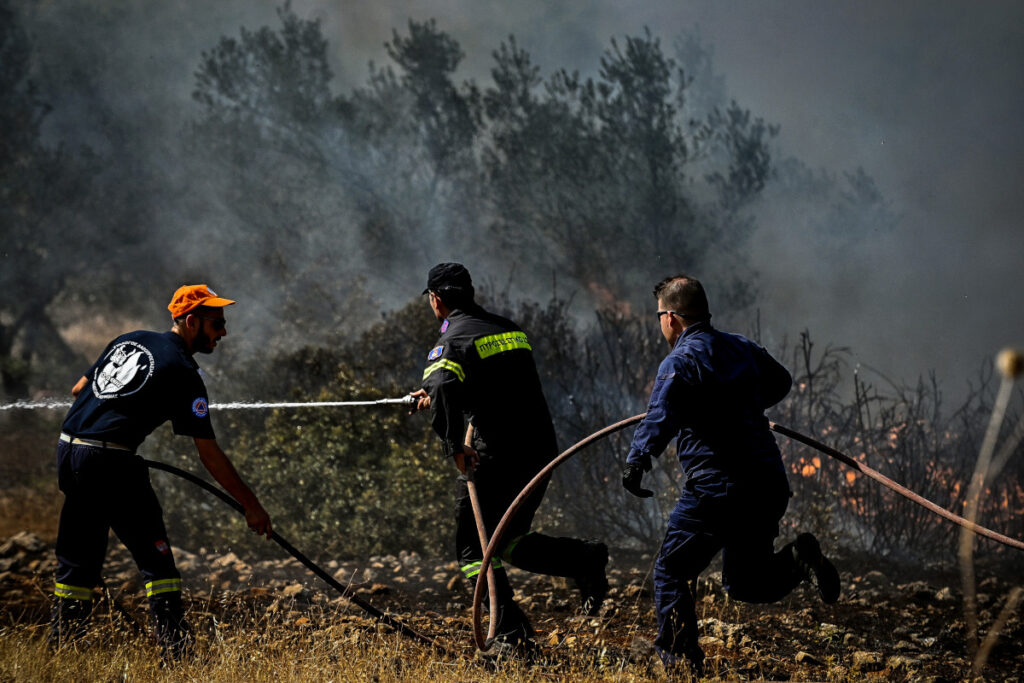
(593,585)
(173,633)
(815,567)
(513,638)
(513,623)
(690,660)
(69,620)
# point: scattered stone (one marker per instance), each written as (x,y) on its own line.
(912,632)
(186,561)
(902,662)
(343,575)
(877,579)
(867,661)
(409,558)
(296,591)
(228,560)
(26,541)
(635,591)
(829,630)
(720,628)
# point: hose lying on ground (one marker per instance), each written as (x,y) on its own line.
(492,545)
(346,591)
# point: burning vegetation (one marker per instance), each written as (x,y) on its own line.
(317,202)
(901,614)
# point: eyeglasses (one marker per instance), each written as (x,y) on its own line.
(218,323)
(661,313)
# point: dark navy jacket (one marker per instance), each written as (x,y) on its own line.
(482,368)
(141,380)
(711,393)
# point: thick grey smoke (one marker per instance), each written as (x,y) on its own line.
(925,97)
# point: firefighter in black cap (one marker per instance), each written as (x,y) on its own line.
(139,382)
(482,368)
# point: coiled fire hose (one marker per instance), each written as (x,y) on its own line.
(346,591)
(541,476)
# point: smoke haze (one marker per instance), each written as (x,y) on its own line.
(925,97)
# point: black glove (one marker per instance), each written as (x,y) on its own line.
(631,476)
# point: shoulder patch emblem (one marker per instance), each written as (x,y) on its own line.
(124,371)
(200,408)
(435,352)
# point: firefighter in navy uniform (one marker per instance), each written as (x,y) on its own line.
(141,380)
(482,369)
(710,394)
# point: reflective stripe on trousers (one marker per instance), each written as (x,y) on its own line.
(163,586)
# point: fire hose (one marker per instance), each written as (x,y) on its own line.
(545,473)
(481,530)
(346,591)
(491,546)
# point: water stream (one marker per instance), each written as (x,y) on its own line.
(53,404)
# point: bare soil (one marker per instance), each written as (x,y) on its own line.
(883,627)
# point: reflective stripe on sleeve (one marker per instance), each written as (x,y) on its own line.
(496,343)
(445,364)
(473,568)
(63,590)
(163,586)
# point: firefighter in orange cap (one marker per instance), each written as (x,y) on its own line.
(141,380)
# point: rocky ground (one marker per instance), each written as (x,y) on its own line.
(882,628)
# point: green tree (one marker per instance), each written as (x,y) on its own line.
(595,168)
(448,116)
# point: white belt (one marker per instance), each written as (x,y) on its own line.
(75,441)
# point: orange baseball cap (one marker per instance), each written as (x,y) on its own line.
(189,296)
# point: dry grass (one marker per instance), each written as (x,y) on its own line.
(277,653)
(261,634)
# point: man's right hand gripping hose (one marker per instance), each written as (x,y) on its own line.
(631,476)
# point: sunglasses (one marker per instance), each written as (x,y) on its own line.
(218,323)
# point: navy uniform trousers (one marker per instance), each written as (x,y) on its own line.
(741,520)
(108,489)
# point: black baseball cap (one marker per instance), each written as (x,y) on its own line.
(448,276)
